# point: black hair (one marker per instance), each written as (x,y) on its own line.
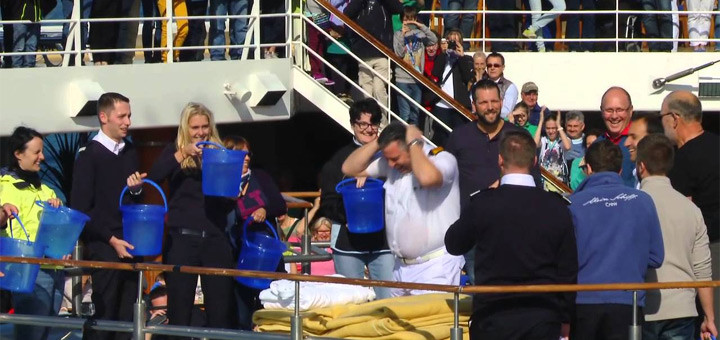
(496,55)
(652,120)
(367,105)
(484,84)
(19,139)
(159,291)
(107,101)
(656,152)
(394,132)
(604,155)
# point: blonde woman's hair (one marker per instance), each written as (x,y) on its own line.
(183,135)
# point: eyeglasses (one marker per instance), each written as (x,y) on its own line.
(618,110)
(494,65)
(665,114)
(365,125)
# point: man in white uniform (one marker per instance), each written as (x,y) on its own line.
(422,200)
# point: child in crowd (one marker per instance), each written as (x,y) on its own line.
(519,117)
(551,151)
(409,43)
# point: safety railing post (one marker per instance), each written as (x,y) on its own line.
(139,312)
(635,329)
(617,26)
(296,330)
(456,332)
(306,242)
(77,32)
(76,281)
(169,31)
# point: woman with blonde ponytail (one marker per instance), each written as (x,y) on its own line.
(195,223)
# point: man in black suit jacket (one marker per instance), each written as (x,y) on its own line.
(522,235)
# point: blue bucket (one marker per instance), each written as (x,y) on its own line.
(143,224)
(221,170)
(259,252)
(364,207)
(19,277)
(59,229)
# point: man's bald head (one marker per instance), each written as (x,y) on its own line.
(685,104)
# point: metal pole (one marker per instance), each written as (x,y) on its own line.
(76,281)
(169,31)
(635,330)
(306,243)
(139,313)
(296,331)
(456,332)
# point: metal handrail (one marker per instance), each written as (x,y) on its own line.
(485,289)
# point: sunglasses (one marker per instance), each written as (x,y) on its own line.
(494,65)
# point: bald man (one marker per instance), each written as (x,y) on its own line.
(617,110)
(696,167)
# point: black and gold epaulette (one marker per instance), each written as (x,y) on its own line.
(436,151)
(565,198)
(477,193)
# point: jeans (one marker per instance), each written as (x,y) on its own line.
(465,24)
(672,329)
(539,21)
(67,6)
(407,111)
(150,38)
(573,24)
(44,300)
(25,39)
(658,25)
(380,266)
(238,27)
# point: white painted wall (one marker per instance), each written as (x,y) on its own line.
(38,97)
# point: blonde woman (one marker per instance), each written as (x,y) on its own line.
(195,224)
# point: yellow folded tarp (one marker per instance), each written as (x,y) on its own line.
(421,317)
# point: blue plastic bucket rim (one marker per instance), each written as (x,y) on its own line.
(268,224)
(222,148)
(148,182)
(340,186)
(79,214)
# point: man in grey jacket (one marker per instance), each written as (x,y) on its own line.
(671,313)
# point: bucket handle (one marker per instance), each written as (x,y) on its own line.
(247,223)
(148,182)
(21,225)
(211,143)
(345,181)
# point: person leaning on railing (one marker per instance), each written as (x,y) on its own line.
(20,186)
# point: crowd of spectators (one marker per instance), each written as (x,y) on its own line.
(193,32)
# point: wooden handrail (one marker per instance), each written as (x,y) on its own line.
(302,194)
(420,78)
(554,180)
(394,57)
(544,288)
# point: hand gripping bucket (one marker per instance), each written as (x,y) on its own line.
(364,207)
(19,277)
(221,170)
(259,252)
(143,224)
(59,229)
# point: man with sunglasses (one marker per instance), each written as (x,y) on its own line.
(695,172)
(508,91)
(352,252)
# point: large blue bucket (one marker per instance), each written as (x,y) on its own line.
(19,277)
(59,229)
(221,170)
(259,252)
(143,224)
(364,207)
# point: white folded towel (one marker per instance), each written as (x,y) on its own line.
(281,294)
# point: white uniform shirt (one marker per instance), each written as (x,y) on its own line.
(417,218)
